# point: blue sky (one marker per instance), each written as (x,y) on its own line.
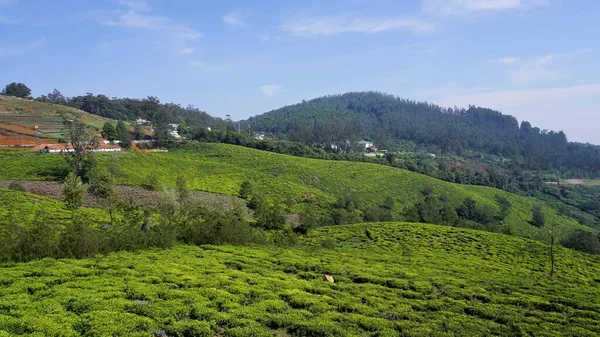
(538,60)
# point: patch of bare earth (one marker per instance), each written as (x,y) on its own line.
(139,196)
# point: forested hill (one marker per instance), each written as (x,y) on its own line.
(388,120)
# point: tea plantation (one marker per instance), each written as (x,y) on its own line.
(392,279)
(221,168)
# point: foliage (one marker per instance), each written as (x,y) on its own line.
(583,241)
(109,132)
(407,279)
(538,217)
(16,186)
(82,138)
(389,120)
(17,90)
(310,183)
(72,192)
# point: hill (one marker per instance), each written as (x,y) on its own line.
(29,122)
(391,279)
(391,122)
(304,185)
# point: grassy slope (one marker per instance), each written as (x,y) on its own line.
(23,207)
(405,280)
(18,105)
(222,168)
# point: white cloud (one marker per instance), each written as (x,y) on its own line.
(186,51)
(461,7)
(235,19)
(506,60)
(24,48)
(136,5)
(270,89)
(203,66)
(535,70)
(137,20)
(136,14)
(333,25)
(521,98)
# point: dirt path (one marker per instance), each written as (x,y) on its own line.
(141,197)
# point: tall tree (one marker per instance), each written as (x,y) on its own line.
(73,191)
(123,135)
(82,139)
(17,90)
(109,132)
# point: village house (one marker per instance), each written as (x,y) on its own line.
(366,144)
(141,121)
(67,148)
(174,131)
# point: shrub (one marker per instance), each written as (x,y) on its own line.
(16,186)
(583,241)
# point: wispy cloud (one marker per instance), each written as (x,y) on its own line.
(521,98)
(534,70)
(270,90)
(461,7)
(235,19)
(23,48)
(203,66)
(506,60)
(186,51)
(136,5)
(137,14)
(539,68)
(333,25)
(6,20)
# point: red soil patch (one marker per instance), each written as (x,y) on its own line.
(17,128)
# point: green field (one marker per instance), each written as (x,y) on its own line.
(392,279)
(221,168)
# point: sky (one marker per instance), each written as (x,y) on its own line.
(538,60)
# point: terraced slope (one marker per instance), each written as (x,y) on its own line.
(390,280)
(221,168)
(26,122)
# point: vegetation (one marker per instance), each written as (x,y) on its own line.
(17,90)
(311,188)
(389,120)
(390,280)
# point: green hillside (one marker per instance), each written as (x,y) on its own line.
(222,168)
(390,280)
(26,113)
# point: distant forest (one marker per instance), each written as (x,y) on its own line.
(388,120)
(133,108)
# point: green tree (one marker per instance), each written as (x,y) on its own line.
(138,132)
(505,207)
(538,217)
(109,132)
(57,97)
(104,189)
(17,90)
(182,188)
(246,190)
(73,191)
(123,135)
(82,139)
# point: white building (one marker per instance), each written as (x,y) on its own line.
(174,131)
(366,144)
(141,121)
